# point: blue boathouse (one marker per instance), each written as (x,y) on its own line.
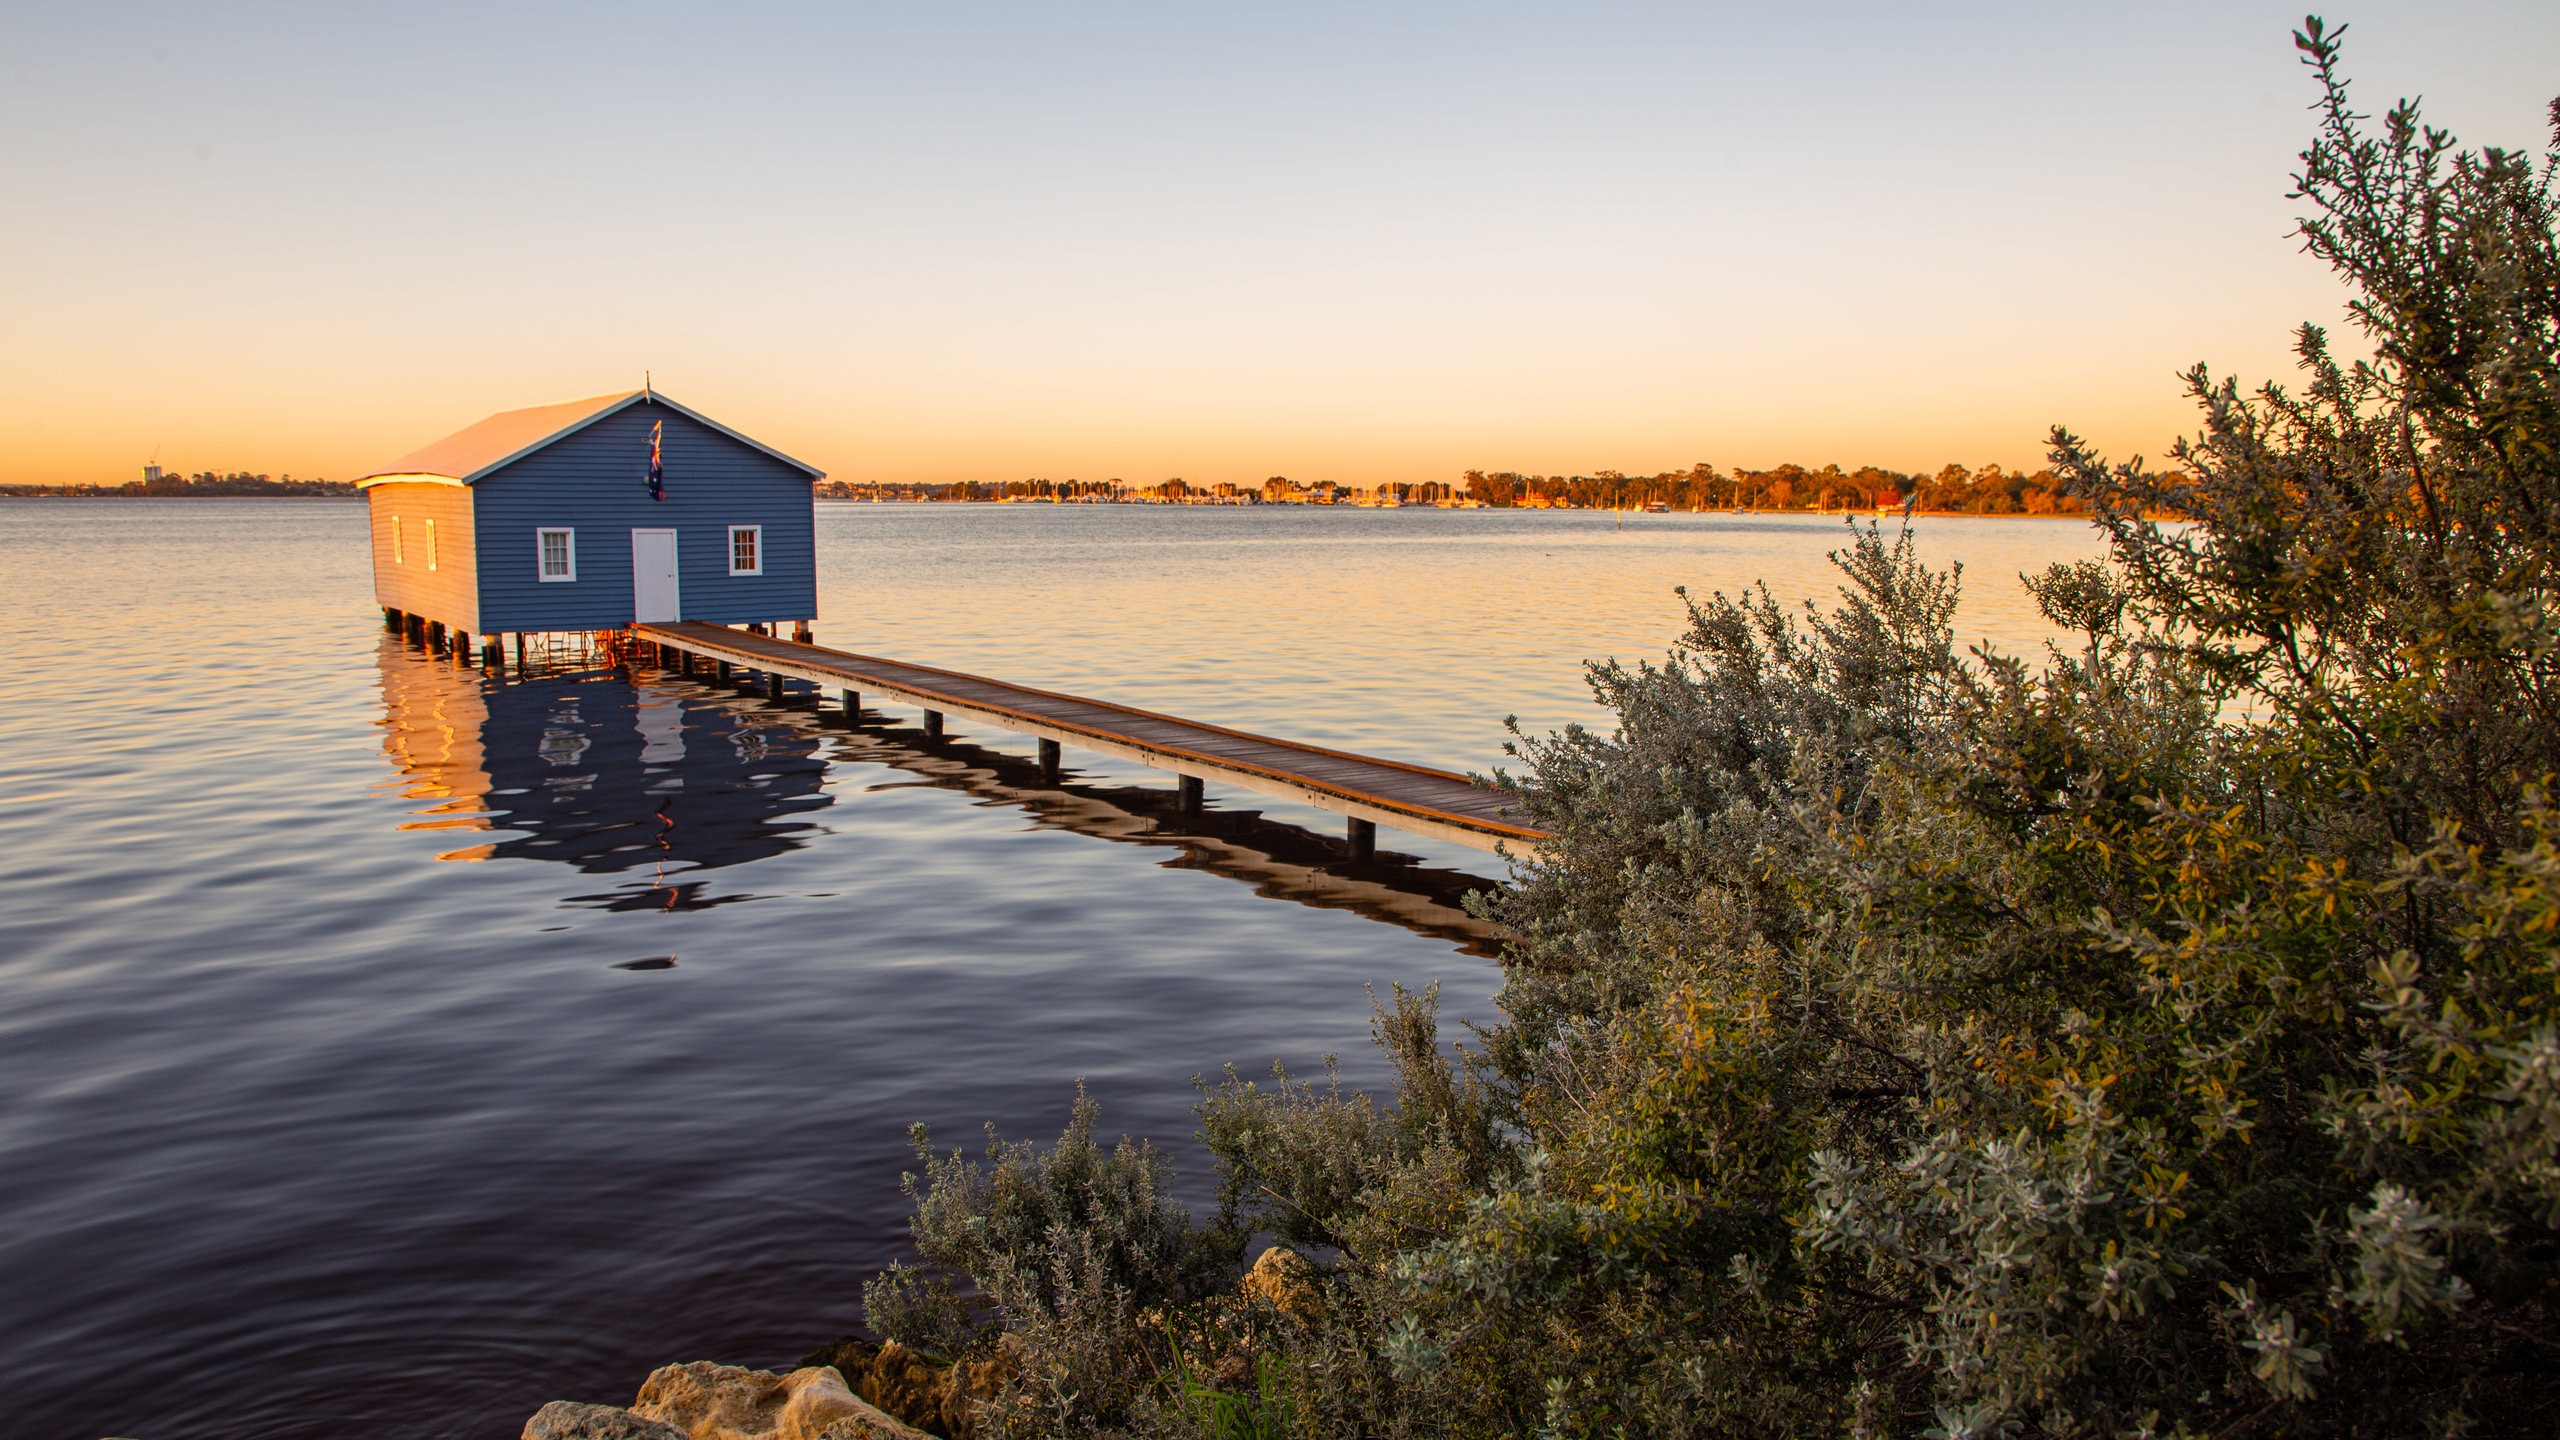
(594,515)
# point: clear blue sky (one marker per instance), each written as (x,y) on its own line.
(1351,242)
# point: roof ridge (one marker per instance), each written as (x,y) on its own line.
(497,441)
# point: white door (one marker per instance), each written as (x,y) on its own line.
(653,577)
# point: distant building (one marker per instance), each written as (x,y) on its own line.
(547,519)
(150,474)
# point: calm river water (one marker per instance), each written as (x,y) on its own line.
(345,1088)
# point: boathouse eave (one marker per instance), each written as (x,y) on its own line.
(370,481)
(581,413)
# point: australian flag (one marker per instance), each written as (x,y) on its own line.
(657,465)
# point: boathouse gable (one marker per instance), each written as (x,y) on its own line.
(535,511)
(593,484)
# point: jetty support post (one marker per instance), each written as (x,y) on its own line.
(773,686)
(801,634)
(1362,836)
(461,647)
(1048,762)
(852,708)
(435,634)
(391,619)
(520,666)
(933,725)
(720,671)
(1189,794)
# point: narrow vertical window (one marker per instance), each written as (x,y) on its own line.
(746,549)
(431,544)
(396,557)
(556,554)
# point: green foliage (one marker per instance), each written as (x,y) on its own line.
(919,1309)
(1259,1414)
(2163,1039)
(1067,1248)
(1326,1168)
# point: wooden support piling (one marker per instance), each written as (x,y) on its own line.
(391,619)
(1362,836)
(933,725)
(435,634)
(720,672)
(520,666)
(461,647)
(1048,761)
(1188,793)
(773,686)
(852,708)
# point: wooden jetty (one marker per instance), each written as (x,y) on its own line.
(1368,792)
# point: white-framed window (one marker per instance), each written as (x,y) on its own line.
(555,554)
(397,557)
(431,544)
(746,549)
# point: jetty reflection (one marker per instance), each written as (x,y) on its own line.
(614,767)
(1280,860)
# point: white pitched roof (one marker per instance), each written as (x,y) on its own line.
(464,456)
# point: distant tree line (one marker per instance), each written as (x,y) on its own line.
(190,486)
(1955,490)
(1114,490)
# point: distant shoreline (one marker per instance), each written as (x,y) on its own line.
(1504,509)
(6,494)
(111,495)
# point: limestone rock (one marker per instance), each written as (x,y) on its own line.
(567,1420)
(942,1399)
(1286,1281)
(704,1401)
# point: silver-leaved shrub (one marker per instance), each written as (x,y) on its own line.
(2162,1038)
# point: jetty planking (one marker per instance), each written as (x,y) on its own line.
(1365,790)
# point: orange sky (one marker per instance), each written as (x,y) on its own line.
(1351,244)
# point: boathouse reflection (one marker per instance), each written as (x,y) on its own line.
(599,772)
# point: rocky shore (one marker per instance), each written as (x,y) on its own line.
(816,1401)
(849,1390)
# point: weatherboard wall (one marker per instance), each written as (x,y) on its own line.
(409,574)
(594,482)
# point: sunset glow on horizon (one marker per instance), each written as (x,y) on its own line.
(1338,243)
